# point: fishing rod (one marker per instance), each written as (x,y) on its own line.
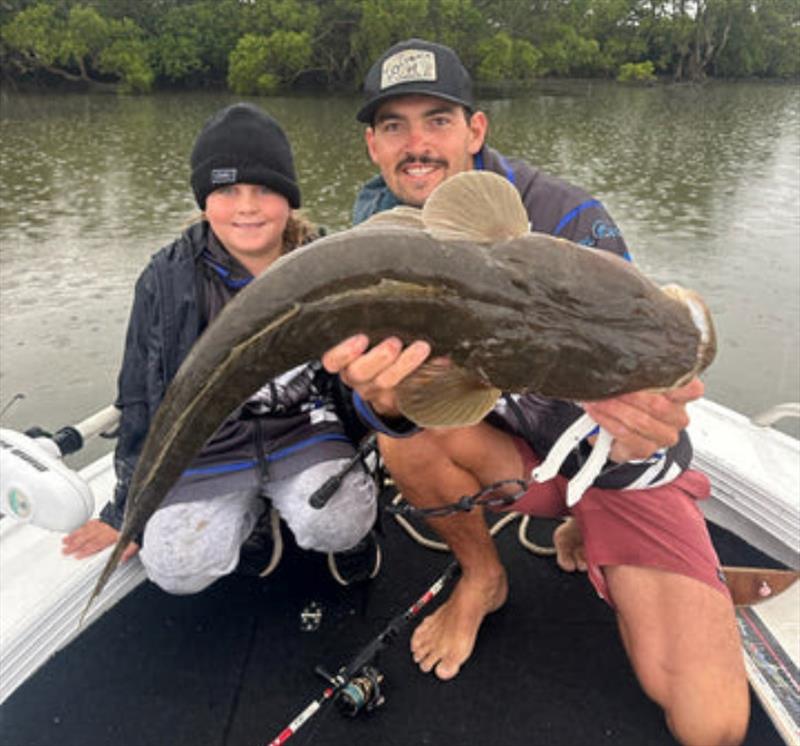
(356,685)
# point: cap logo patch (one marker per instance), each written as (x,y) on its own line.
(223,176)
(408,66)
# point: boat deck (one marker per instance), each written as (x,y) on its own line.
(232,665)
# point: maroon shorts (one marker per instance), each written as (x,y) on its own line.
(661,527)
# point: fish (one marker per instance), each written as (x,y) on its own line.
(505,309)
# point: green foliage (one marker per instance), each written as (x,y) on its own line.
(126,57)
(458,24)
(81,45)
(262,64)
(37,34)
(265,16)
(247,70)
(637,72)
(504,58)
(265,45)
(384,22)
(572,55)
(765,43)
(195,40)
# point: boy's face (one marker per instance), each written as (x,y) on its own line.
(249,220)
(419,141)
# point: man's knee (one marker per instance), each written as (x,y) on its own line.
(424,451)
(723,724)
(482,451)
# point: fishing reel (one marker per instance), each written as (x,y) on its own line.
(359,693)
(362,692)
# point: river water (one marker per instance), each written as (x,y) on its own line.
(703,181)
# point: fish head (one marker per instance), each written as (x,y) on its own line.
(703,322)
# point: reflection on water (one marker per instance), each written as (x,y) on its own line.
(704,182)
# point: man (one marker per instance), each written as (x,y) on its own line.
(646,549)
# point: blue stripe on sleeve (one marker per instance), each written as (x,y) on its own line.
(573,213)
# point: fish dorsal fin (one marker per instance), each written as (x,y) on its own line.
(403,216)
(478,206)
(440,394)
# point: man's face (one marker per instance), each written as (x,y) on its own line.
(419,141)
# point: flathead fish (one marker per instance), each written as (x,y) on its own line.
(513,311)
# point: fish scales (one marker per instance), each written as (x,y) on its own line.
(528,313)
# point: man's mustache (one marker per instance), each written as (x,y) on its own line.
(422,160)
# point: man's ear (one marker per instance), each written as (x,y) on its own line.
(478,127)
(369,138)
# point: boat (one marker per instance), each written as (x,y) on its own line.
(236,663)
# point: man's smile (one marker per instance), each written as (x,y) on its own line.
(418,167)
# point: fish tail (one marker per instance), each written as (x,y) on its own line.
(108,570)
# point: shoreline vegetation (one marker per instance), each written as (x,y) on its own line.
(264,47)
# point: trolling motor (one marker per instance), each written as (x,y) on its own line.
(36,486)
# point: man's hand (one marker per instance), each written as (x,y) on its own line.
(374,374)
(644,422)
(93,537)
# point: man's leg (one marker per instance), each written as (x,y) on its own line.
(701,686)
(436,467)
(683,642)
(650,555)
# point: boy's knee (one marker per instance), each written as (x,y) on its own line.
(345,519)
(184,567)
(188,545)
(176,584)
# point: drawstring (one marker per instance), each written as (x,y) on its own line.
(224,272)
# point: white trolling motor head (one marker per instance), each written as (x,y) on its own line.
(37,488)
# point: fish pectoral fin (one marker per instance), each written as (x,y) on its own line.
(444,395)
(477,206)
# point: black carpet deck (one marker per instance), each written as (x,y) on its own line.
(231,666)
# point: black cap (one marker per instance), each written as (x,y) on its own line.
(416,67)
(241,144)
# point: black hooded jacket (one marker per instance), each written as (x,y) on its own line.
(176,296)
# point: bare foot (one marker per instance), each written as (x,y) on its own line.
(568,541)
(444,640)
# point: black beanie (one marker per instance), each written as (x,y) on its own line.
(242,145)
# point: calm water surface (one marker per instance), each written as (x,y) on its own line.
(704,182)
